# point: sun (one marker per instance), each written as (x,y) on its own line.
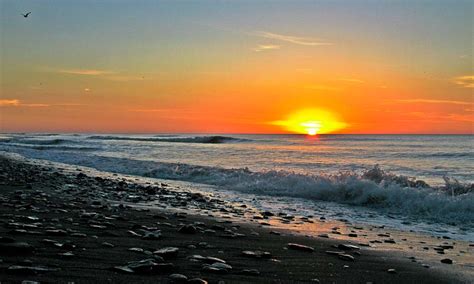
(311,122)
(311,127)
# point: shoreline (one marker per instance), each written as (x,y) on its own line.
(41,202)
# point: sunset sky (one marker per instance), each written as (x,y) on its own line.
(236,66)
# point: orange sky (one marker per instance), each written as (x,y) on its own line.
(235,67)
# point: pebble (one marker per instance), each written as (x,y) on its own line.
(300,247)
(15,248)
(187,229)
(167,252)
(178,278)
(252,272)
(346,257)
(197,281)
(447,261)
(24,270)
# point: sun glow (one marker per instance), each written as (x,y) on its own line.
(311,122)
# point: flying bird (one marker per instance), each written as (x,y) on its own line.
(26,15)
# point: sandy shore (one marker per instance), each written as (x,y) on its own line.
(60,225)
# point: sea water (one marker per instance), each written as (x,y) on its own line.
(410,182)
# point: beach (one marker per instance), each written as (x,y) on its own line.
(75,225)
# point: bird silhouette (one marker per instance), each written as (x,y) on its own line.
(26,15)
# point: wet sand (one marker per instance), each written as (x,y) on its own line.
(63,225)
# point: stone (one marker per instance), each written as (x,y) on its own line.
(447,261)
(187,229)
(251,272)
(167,252)
(256,254)
(347,247)
(178,278)
(300,247)
(16,248)
(197,281)
(346,257)
(25,270)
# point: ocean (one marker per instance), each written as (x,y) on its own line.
(420,183)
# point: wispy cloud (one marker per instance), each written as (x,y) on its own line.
(427,101)
(265,47)
(87,72)
(293,39)
(465,81)
(322,87)
(150,110)
(18,103)
(102,74)
(351,80)
(9,102)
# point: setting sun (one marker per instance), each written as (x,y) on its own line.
(311,122)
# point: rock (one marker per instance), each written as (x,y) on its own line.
(392,271)
(251,272)
(167,252)
(331,252)
(300,247)
(136,249)
(178,278)
(108,245)
(352,235)
(187,229)
(217,267)
(123,269)
(347,247)
(197,281)
(256,254)
(447,261)
(152,235)
(16,248)
(7,240)
(68,254)
(146,266)
(24,270)
(346,257)
(56,232)
(267,214)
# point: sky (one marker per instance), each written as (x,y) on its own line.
(236,66)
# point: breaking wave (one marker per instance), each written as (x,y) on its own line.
(451,203)
(193,139)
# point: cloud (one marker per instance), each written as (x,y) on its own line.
(18,103)
(265,47)
(87,72)
(150,110)
(322,88)
(427,101)
(293,39)
(9,102)
(103,74)
(351,80)
(465,81)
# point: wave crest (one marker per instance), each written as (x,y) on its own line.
(193,139)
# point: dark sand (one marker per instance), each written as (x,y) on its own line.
(78,213)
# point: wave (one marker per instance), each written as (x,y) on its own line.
(51,147)
(193,139)
(374,188)
(44,142)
